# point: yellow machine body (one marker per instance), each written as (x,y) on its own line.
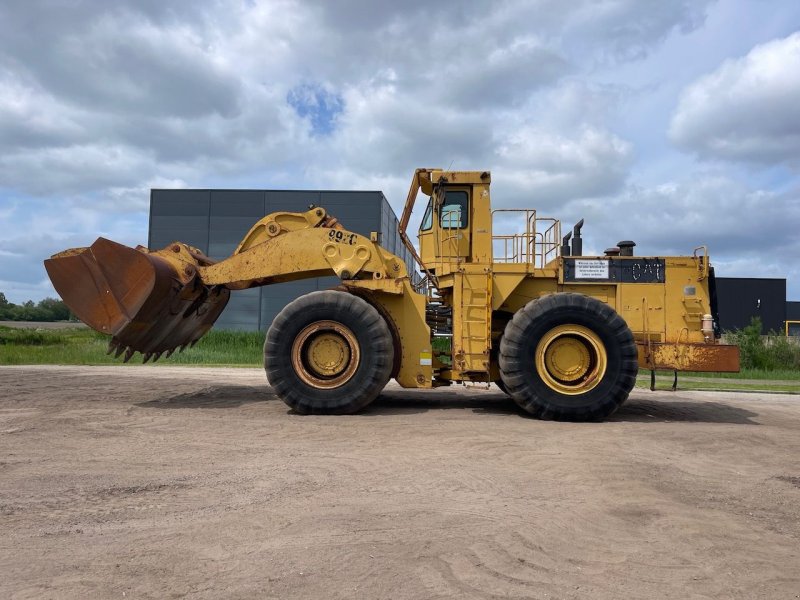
(478,278)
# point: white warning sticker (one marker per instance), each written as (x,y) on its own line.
(591,269)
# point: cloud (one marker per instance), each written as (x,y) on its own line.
(734,219)
(747,110)
(101,101)
(554,168)
(630,29)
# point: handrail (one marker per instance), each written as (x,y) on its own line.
(533,246)
(702,262)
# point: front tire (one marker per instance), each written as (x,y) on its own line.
(568,357)
(328,352)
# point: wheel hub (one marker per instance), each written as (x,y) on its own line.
(571,359)
(325,354)
(567,358)
(328,354)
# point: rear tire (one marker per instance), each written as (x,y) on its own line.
(568,357)
(328,352)
(499,383)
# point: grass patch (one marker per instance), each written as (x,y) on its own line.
(760,374)
(86,347)
(28,337)
(718,382)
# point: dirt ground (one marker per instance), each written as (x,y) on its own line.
(164,482)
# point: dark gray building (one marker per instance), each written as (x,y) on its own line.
(793,318)
(215,221)
(742,298)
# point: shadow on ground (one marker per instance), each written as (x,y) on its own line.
(215,396)
(633,411)
(410,402)
(671,411)
(402,402)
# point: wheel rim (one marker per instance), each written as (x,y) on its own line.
(325,354)
(571,359)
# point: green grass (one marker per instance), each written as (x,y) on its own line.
(777,374)
(720,386)
(724,381)
(87,347)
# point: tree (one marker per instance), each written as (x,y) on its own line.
(49,309)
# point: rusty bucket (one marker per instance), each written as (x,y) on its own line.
(149,304)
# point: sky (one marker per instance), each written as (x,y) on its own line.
(673,123)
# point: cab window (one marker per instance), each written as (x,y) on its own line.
(427,220)
(454,210)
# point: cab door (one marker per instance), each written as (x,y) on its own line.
(444,234)
(453,222)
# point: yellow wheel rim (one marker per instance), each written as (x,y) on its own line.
(325,354)
(571,359)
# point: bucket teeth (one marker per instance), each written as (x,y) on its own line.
(169,352)
(156,356)
(193,342)
(120,350)
(183,347)
(112,346)
(128,354)
(147,357)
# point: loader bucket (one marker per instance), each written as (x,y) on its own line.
(147,303)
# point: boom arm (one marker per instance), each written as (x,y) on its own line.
(291,246)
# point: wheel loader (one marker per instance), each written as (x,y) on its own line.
(562,333)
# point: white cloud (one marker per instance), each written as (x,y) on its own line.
(748,109)
(553,168)
(101,101)
(732,218)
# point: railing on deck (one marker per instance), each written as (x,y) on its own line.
(538,244)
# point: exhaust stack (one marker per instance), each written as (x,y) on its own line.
(577,241)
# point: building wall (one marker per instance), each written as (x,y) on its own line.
(793,314)
(215,221)
(741,299)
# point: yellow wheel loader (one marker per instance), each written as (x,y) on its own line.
(563,334)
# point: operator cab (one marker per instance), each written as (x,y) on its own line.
(456,226)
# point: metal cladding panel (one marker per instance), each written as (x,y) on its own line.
(237,203)
(233,213)
(348,205)
(175,223)
(741,299)
(361,225)
(290,200)
(220,250)
(161,237)
(224,227)
(242,310)
(793,311)
(179,203)
(178,215)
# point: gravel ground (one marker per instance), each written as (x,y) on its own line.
(166,482)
